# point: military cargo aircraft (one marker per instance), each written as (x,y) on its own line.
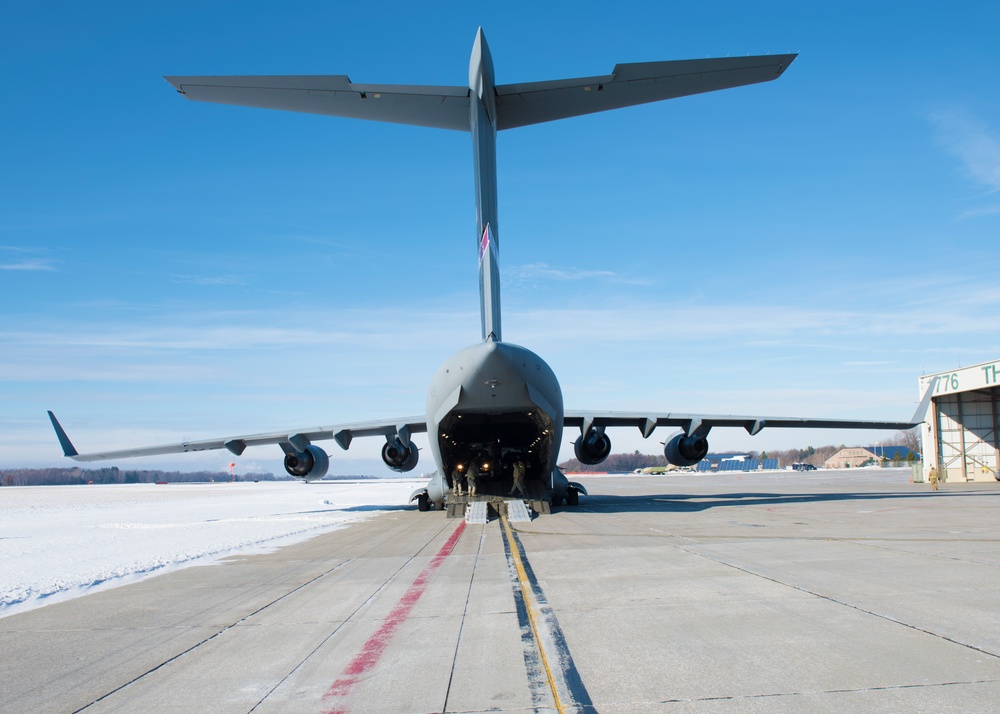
(494,403)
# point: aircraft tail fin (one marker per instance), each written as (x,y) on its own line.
(483,108)
(489,286)
(483,127)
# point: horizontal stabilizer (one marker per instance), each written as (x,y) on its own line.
(447,107)
(628,85)
(335,95)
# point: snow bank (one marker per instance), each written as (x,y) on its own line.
(58,542)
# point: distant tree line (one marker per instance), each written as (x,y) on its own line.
(112,474)
(617,463)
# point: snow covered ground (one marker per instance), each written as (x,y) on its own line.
(58,542)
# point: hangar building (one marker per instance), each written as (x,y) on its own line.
(854,457)
(960,431)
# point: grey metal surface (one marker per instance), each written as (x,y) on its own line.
(335,95)
(517,512)
(782,592)
(516,105)
(476,513)
(340,433)
(629,85)
(691,422)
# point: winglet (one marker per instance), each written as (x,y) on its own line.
(925,403)
(64,442)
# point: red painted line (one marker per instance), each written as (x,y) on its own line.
(376,645)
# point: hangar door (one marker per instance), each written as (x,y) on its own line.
(967,429)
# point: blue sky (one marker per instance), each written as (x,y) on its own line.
(174,270)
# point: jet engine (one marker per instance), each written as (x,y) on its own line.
(309,465)
(399,456)
(593,447)
(684,450)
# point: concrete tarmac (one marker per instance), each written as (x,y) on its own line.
(851,591)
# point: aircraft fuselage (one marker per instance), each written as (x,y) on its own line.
(491,404)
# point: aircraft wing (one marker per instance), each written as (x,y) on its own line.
(628,85)
(336,95)
(701,423)
(295,440)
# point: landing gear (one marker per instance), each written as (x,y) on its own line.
(423,502)
(572,498)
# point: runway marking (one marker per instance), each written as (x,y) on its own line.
(465,613)
(349,618)
(568,691)
(374,648)
(538,675)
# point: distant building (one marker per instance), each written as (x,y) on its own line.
(961,432)
(857,456)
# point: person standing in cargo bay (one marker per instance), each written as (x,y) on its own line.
(518,478)
(471,477)
(456,480)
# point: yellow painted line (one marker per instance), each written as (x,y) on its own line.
(529,605)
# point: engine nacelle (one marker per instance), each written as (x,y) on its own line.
(309,465)
(684,450)
(593,448)
(399,457)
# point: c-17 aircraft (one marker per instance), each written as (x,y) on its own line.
(492,403)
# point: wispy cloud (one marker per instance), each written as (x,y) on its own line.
(980,212)
(977,145)
(541,272)
(21,258)
(29,264)
(218,280)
